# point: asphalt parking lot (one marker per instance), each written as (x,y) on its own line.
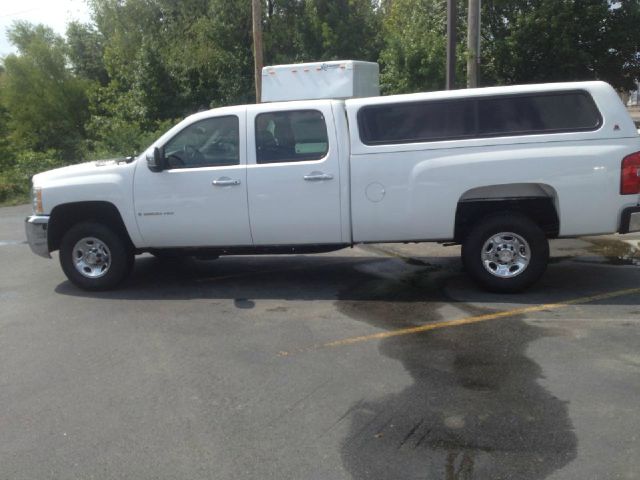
(382,362)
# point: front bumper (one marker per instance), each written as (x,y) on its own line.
(630,220)
(36,228)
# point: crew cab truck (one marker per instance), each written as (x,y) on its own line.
(498,170)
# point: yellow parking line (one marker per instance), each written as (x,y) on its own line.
(474,319)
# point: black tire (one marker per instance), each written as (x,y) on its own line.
(120,256)
(489,277)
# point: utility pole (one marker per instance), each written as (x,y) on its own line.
(473,44)
(256,10)
(451,44)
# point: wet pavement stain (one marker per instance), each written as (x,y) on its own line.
(409,299)
(475,409)
(560,258)
(243,303)
(278,309)
(615,252)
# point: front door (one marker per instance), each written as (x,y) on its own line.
(293,176)
(200,199)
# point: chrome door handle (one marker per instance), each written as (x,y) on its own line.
(318,176)
(224,182)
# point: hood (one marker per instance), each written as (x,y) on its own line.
(79,170)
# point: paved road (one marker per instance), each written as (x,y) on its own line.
(382,362)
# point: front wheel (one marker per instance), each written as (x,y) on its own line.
(94,257)
(506,252)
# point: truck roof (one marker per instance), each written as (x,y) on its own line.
(482,92)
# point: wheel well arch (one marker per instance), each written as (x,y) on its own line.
(66,215)
(537,201)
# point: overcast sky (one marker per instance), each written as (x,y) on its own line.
(54,13)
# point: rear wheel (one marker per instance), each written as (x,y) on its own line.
(95,257)
(505,252)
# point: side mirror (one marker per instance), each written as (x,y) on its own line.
(156,163)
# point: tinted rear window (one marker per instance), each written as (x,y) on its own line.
(417,122)
(429,121)
(537,114)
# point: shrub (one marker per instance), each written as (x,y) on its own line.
(15,179)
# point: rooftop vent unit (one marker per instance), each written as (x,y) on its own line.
(338,79)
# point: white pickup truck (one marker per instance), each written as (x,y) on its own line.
(499,170)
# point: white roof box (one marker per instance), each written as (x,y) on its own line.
(309,81)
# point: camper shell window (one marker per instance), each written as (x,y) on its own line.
(496,116)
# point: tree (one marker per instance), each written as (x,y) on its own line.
(341,29)
(5,160)
(621,63)
(413,57)
(46,103)
(530,41)
(85,48)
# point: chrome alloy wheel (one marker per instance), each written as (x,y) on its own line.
(506,255)
(91,257)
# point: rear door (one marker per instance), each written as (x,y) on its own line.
(293,175)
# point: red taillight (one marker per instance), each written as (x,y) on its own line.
(630,179)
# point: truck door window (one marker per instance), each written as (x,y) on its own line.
(212,142)
(293,136)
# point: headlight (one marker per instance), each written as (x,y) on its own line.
(36,200)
